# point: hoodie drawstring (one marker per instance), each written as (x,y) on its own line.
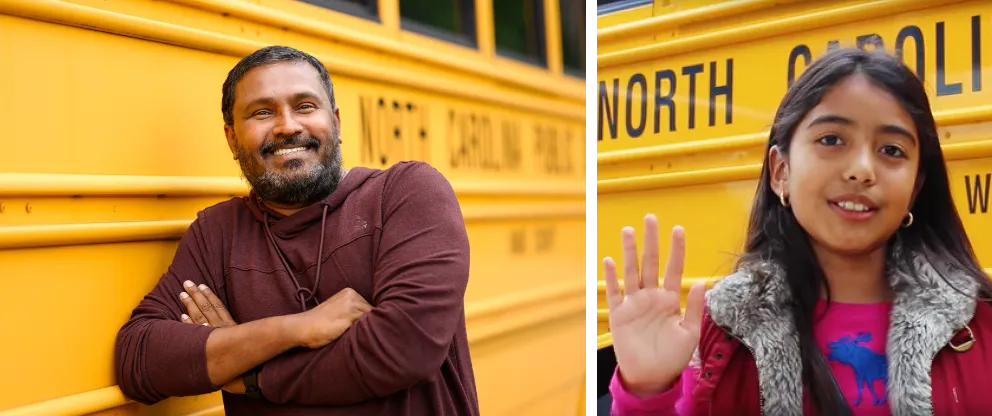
(303,293)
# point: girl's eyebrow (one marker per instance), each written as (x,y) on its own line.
(838,119)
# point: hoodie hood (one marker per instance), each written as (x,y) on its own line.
(288,227)
(279,227)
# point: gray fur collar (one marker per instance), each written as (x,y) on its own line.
(927,311)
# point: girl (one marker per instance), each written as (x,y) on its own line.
(858,292)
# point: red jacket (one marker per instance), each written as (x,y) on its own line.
(747,361)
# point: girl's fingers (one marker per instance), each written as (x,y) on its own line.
(631,276)
(613,295)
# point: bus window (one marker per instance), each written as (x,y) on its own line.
(610,6)
(519,26)
(368,9)
(572,15)
(451,20)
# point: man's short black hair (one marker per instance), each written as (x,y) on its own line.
(267,55)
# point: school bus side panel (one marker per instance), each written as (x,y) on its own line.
(683,122)
(115,141)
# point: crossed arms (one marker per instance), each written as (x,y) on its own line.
(421,257)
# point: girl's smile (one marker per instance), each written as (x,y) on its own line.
(854,207)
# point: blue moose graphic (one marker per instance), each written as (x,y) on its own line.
(868,365)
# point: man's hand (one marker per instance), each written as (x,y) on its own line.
(237,386)
(314,328)
(327,321)
(203,307)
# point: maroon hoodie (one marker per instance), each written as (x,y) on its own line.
(396,236)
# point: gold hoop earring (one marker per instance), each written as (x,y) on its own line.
(783,199)
(909,220)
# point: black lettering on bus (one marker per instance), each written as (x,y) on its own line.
(544,238)
(943,88)
(553,151)
(533,239)
(666,83)
(642,101)
(797,51)
(978,195)
(367,123)
(976,53)
(474,143)
(666,99)
(726,90)
(565,164)
(511,142)
(916,34)
(691,71)
(487,149)
(392,130)
(872,39)
(518,240)
(604,104)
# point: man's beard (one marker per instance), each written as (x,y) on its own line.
(303,185)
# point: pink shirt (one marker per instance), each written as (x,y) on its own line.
(852,338)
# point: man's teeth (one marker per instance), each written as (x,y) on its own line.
(281,152)
(852,206)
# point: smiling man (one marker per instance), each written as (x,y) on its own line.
(324,291)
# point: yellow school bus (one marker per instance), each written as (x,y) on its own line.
(114,140)
(687,90)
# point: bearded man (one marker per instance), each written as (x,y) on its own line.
(323,292)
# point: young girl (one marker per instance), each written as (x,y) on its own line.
(858,292)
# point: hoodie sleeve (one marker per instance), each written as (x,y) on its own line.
(158,356)
(668,403)
(420,276)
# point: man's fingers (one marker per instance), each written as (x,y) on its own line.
(201,302)
(191,309)
(676,261)
(613,296)
(693,318)
(631,276)
(649,259)
(187,320)
(217,305)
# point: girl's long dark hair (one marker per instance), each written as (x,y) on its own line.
(774,233)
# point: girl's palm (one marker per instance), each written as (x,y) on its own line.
(653,342)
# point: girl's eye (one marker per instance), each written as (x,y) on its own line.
(830,140)
(893,151)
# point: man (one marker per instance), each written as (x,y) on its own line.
(323,292)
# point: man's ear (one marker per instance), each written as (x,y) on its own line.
(778,165)
(337,122)
(232,140)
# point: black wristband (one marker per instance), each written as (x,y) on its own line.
(252,389)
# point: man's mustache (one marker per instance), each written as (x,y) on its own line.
(308,141)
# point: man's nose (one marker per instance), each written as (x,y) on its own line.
(287,125)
